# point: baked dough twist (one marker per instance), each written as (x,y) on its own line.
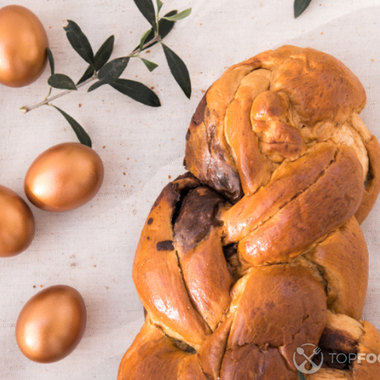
(258,250)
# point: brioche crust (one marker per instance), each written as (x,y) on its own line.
(256,254)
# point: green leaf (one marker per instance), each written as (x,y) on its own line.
(150,65)
(104,53)
(178,16)
(301,376)
(159,5)
(137,91)
(101,58)
(143,38)
(82,135)
(61,81)
(113,69)
(164,27)
(51,60)
(87,75)
(96,85)
(110,72)
(300,6)
(79,41)
(147,9)
(178,70)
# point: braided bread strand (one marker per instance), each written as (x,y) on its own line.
(257,250)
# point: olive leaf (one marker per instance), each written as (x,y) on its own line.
(143,38)
(79,41)
(82,135)
(62,82)
(113,69)
(300,6)
(104,53)
(51,60)
(147,9)
(150,65)
(178,70)
(159,5)
(178,16)
(301,376)
(137,91)
(164,26)
(96,85)
(100,59)
(87,75)
(110,72)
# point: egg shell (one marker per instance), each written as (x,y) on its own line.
(16,223)
(64,177)
(51,324)
(23,43)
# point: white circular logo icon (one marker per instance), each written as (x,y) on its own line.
(301,357)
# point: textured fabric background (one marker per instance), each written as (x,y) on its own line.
(92,248)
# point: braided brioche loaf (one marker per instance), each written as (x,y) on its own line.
(257,251)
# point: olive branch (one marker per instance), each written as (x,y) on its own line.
(102,71)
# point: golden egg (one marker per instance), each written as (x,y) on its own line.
(23,43)
(51,324)
(16,223)
(64,177)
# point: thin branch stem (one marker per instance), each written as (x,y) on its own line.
(150,43)
(49,93)
(49,98)
(25,109)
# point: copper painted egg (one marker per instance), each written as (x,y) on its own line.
(64,177)
(51,324)
(23,43)
(16,223)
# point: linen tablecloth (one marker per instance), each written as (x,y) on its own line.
(92,248)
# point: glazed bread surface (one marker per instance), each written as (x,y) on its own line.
(257,250)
